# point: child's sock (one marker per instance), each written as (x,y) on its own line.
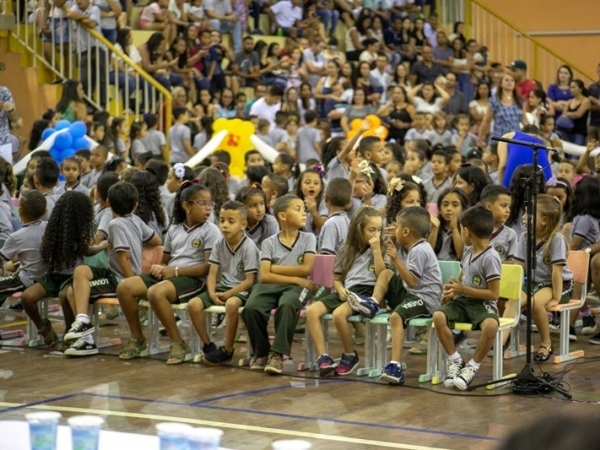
(88,338)
(472,363)
(83,318)
(395,362)
(586,313)
(454,357)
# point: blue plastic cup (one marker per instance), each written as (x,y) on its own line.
(85,432)
(204,438)
(42,429)
(173,436)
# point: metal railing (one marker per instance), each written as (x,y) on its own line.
(111,80)
(506,42)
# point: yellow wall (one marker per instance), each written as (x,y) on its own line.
(552,15)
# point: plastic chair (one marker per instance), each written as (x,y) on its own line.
(578,262)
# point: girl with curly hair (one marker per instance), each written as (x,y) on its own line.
(149,207)
(216,182)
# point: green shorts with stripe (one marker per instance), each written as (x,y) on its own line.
(243,296)
(104,284)
(53,283)
(469,310)
(332,301)
(406,304)
(566,295)
(186,287)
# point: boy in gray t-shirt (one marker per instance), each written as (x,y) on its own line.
(338,197)
(126,235)
(180,137)
(309,139)
(497,199)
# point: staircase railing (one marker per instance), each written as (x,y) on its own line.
(83,54)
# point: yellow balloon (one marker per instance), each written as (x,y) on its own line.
(236,143)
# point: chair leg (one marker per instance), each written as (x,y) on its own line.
(432,355)
(564,354)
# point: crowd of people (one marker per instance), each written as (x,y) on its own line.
(436,189)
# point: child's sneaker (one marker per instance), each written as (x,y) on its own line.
(572,334)
(274,363)
(219,356)
(367,306)
(18,305)
(589,324)
(454,368)
(209,348)
(78,330)
(464,377)
(326,365)
(392,373)
(348,363)
(81,348)
(258,363)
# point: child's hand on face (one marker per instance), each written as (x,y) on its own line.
(374,242)
(310,203)
(390,231)
(435,222)
(391,251)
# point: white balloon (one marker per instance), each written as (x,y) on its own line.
(265,150)
(208,148)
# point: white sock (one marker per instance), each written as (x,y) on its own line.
(84,318)
(88,338)
(395,362)
(472,363)
(454,357)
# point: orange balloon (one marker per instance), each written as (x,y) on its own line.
(355,124)
(373,120)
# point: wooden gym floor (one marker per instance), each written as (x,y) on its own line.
(255,409)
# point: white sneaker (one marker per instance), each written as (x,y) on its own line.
(464,377)
(454,368)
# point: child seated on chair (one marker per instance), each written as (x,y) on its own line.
(126,235)
(416,291)
(45,181)
(181,276)
(287,260)
(338,198)
(24,246)
(472,297)
(497,199)
(104,213)
(236,257)
(357,265)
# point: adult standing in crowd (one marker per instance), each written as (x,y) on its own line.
(518,69)
(594,97)
(8,114)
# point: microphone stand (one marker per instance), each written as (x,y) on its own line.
(527,382)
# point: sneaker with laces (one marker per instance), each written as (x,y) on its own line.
(392,373)
(454,368)
(209,348)
(81,348)
(217,320)
(464,377)
(326,365)
(348,363)
(367,306)
(589,324)
(217,357)
(258,363)
(274,363)
(78,330)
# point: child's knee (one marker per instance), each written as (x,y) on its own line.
(440,320)
(232,305)
(396,320)
(82,272)
(342,312)
(489,326)
(195,306)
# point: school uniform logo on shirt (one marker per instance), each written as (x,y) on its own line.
(547,260)
(110,246)
(500,249)
(300,259)
(240,267)
(476,280)
(196,243)
(371,267)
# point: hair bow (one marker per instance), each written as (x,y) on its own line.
(319,169)
(417,180)
(187,183)
(552,181)
(395,184)
(179,170)
(365,168)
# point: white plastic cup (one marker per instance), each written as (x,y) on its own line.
(291,444)
(42,429)
(85,432)
(173,436)
(204,438)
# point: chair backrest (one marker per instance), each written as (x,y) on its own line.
(99,260)
(322,273)
(150,256)
(578,262)
(449,269)
(511,281)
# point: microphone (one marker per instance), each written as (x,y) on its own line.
(554,152)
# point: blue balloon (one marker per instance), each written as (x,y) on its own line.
(47,132)
(68,153)
(56,154)
(77,129)
(62,124)
(80,143)
(63,141)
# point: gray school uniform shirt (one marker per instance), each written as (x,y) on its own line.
(167,199)
(234,263)
(177,135)
(421,262)
(444,138)
(333,233)
(493,174)
(262,230)
(186,245)
(6,226)
(87,179)
(153,140)
(25,244)
(413,134)
(307,137)
(51,199)
(362,272)
(60,190)
(433,190)
(277,253)
(102,220)
(586,227)
(445,253)
(556,255)
(505,241)
(310,226)
(336,169)
(127,234)
(478,271)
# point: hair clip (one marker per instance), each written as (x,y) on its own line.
(179,170)
(365,168)
(220,169)
(552,181)
(395,184)
(187,183)
(557,199)
(319,169)
(417,180)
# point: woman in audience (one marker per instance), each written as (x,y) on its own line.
(398,114)
(359,109)
(155,17)
(356,35)
(428,97)
(71,105)
(478,106)
(560,92)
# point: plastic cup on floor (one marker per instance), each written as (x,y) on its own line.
(85,432)
(42,429)
(291,444)
(204,438)
(173,436)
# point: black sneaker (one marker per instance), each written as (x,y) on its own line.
(459,337)
(78,330)
(588,324)
(572,335)
(81,348)
(18,305)
(217,320)
(209,348)
(218,356)
(595,339)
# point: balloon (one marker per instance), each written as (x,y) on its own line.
(56,154)
(68,153)
(62,124)
(80,143)
(236,142)
(47,132)
(63,140)
(77,130)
